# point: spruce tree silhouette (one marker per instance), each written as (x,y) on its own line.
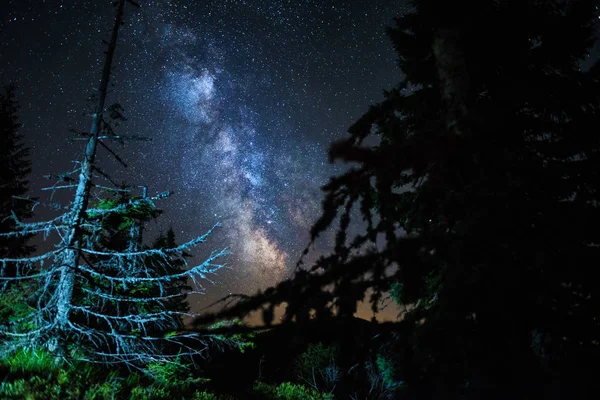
(15,167)
(480,196)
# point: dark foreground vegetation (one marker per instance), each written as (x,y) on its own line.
(477,179)
(292,363)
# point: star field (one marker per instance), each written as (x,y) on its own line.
(240,98)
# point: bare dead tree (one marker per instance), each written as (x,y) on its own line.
(92,301)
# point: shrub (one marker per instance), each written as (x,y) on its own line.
(289,391)
(204,396)
(316,366)
(387,372)
(39,375)
(238,341)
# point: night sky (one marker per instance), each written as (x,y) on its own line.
(240,98)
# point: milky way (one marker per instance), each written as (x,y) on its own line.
(241,100)
(230,160)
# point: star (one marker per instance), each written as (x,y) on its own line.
(241,101)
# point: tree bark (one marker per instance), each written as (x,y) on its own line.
(78,212)
(453,76)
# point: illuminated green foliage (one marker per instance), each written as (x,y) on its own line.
(16,305)
(316,366)
(126,211)
(289,391)
(239,341)
(316,356)
(388,372)
(171,375)
(205,396)
(396,292)
(26,362)
(39,375)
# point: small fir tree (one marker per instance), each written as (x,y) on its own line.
(96,295)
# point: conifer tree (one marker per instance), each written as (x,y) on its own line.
(480,197)
(96,296)
(481,184)
(15,167)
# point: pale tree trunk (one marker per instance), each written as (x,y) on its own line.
(64,290)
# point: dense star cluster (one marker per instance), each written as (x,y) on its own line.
(240,98)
